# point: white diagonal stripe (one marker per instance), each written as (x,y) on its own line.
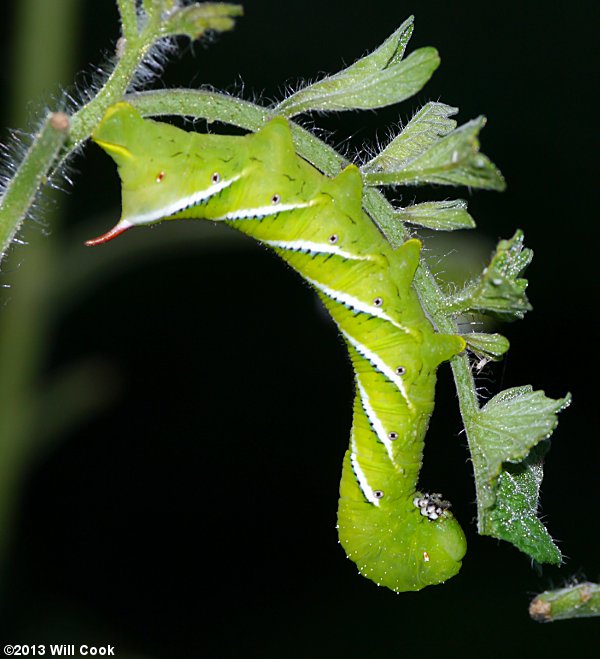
(363,483)
(380,365)
(315,248)
(355,303)
(374,419)
(260,211)
(180,204)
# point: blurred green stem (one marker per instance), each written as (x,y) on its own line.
(29,179)
(577,601)
(45,41)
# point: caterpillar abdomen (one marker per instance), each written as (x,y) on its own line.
(258,185)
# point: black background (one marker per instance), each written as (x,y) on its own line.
(195,517)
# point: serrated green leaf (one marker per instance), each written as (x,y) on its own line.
(513,517)
(487,346)
(499,291)
(389,53)
(511,423)
(379,79)
(426,127)
(507,446)
(504,437)
(452,160)
(438,215)
(194,20)
(580,600)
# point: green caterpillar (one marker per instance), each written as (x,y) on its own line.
(397,536)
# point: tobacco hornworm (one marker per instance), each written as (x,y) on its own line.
(398,537)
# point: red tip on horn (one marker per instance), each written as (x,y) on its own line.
(117,230)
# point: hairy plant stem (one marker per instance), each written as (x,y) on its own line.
(128,14)
(135,49)
(29,178)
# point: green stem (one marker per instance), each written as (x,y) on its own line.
(84,121)
(128,18)
(44,47)
(579,601)
(30,177)
(214,106)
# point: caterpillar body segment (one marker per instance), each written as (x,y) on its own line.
(259,185)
